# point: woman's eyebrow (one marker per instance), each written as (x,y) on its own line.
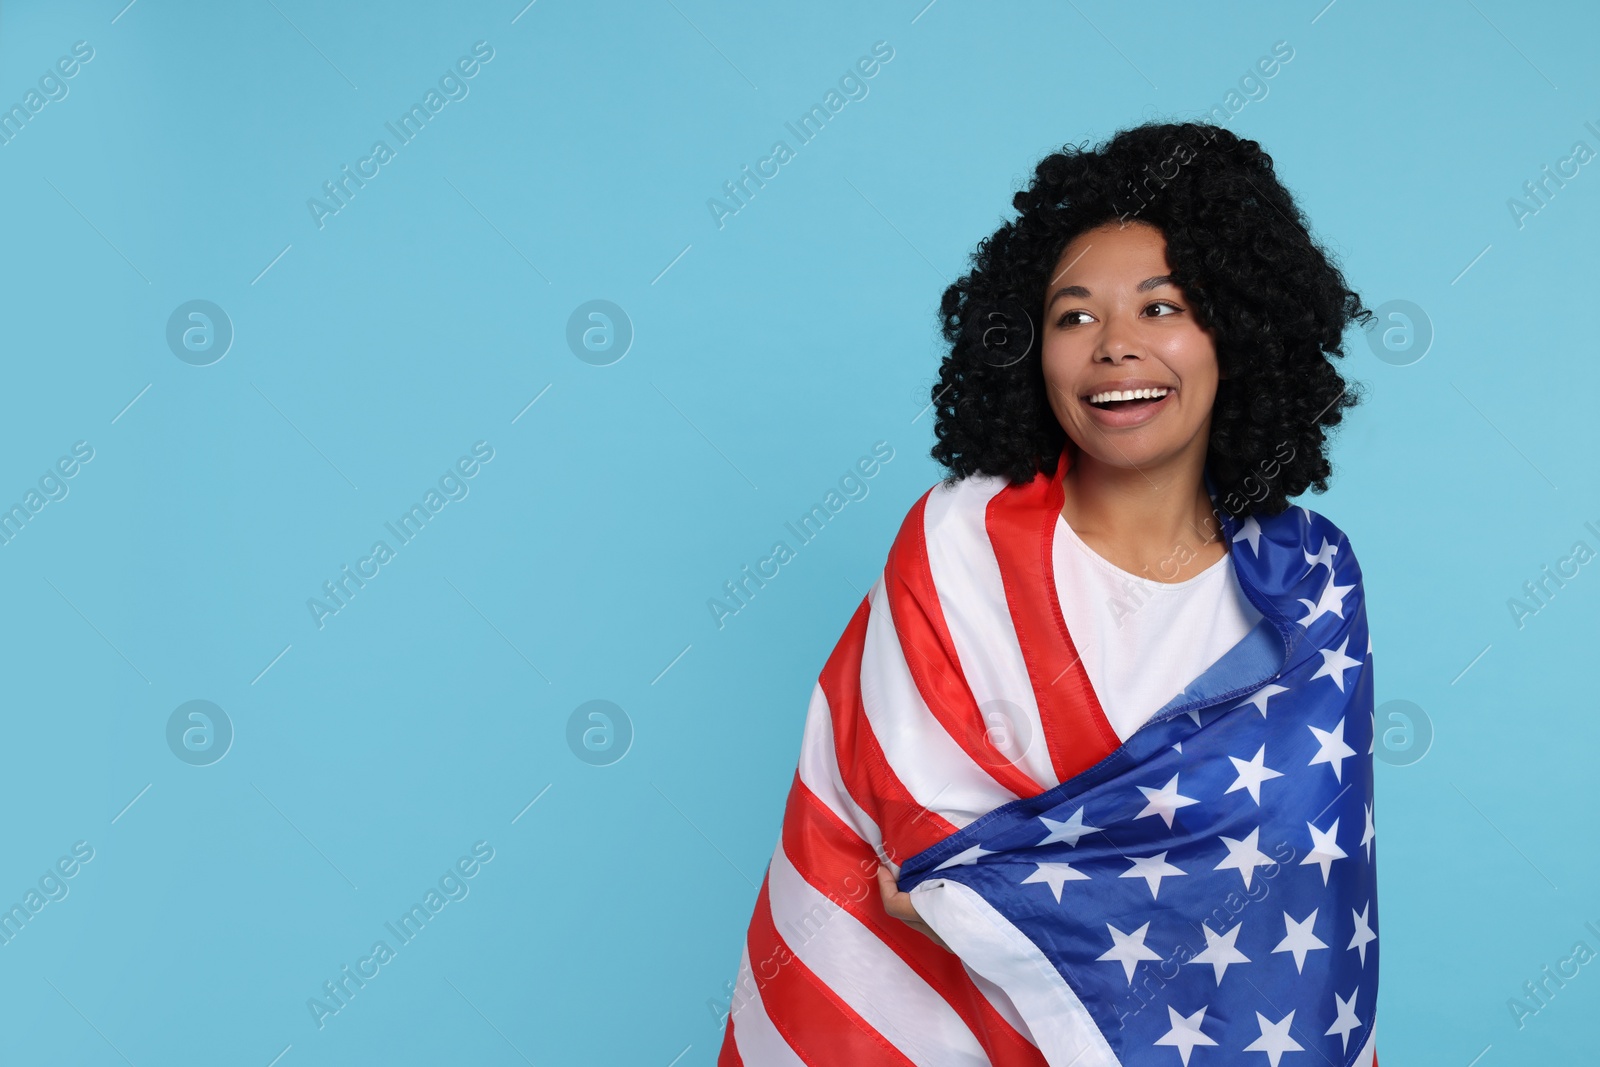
(1080,291)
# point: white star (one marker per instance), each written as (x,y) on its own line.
(1068,831)
(1368,834)
(1331,602)
(1324,555)
(1332,750)
(1252,773)
(1195,715)
(1324,848)
(1274,1039)
(1128,949)
(1346,1020)
(1300,938)
(1152,869)
(1244,856)
(1250,531)
(1185,1033)
(1260,697)
(1164,802)
(1220,950)
(1053,874)
(1363,935)
(1334,664)
(961,859)
(1177,746)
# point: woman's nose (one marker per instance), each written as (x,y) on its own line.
(1118,341)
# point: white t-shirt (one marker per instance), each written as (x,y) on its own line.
(1144,641)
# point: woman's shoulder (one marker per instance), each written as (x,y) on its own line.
(1298,529)
(954,506)
(1300,523)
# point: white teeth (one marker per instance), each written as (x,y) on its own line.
(1127,394)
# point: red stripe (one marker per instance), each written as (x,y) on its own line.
(822,1029)
(729,1056)
(1021,521)
(839,864)
(931,654)
(907,826)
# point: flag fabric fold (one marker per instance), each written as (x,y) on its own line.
(1203,893)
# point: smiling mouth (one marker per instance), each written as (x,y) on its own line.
(1127,405)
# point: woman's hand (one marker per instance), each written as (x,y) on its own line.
(898,904)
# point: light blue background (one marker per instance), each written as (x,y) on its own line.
(426,315)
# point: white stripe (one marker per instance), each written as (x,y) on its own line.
(972,595)
(758,1041)
(1002,1004)
(867,974)
(1369,1050)
(1061,1026)
(936,771)
(819,770)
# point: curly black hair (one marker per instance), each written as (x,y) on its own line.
(1239,248)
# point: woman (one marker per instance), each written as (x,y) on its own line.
(1140,377)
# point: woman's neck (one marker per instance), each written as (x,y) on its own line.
(1155,522)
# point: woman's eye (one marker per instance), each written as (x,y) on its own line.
(1069,318)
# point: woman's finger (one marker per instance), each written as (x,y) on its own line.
(895,901)
(898,904)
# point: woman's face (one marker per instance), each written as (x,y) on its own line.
(1113,321)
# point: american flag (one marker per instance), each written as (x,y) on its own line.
(1204,893)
